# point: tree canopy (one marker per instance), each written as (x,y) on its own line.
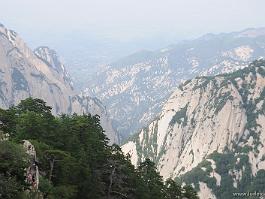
(74,159)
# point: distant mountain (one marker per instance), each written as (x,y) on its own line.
(51,58)
(134,88)
(210,133)
(41,74)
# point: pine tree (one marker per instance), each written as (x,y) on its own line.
(152,181)
(173,190)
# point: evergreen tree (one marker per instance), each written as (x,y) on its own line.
(74,159)
(13,161)
(189,192)
(173,190)
(152,181)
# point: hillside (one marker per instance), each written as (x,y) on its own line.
(134,88)
(69,157)
(210,132)
(40,74)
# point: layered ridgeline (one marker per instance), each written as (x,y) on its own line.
(211,132)
(40,74)
(135,87)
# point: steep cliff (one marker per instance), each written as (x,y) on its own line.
(41,74)
(135,87)
(211,132)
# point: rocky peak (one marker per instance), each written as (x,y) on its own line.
(135,87)
(51,58)
(10,34)
(41,74)
(206,121)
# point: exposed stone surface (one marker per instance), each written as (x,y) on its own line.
(40,74)
(204,116)
(32,172)
(135,87)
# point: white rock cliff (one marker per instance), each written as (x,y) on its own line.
(205,116)
(41,74)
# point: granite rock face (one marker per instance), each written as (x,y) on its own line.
(208,120)
(40,74)
(135,88)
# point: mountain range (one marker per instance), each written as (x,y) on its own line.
(134,88)
(40,74)
(196,109)
(210,133)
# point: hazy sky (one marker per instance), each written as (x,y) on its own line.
(126,19)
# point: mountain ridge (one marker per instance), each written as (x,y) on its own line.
(205,122)
(145,80)
(41,74)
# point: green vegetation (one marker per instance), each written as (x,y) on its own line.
(13,161)
(202,85)
(180,117)
(226,164)
(201,173)
(235,160)
(74,159)
(221,101)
